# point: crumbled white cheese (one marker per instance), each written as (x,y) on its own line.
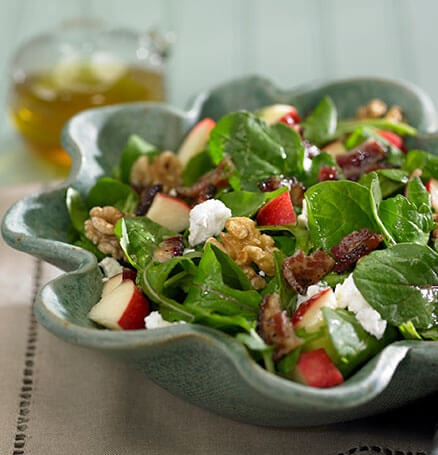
(110,267)
(262,273)
(347,295)
(311,291)
(207,220)
(303,218)
(173,192)
(155,321)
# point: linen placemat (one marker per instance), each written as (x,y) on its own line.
(58,398)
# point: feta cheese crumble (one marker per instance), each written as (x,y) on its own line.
(110,267)
(303,218)
(207,220)
(347,295)
(311,291)
(154,320)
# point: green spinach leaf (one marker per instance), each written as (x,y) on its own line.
(401,283)
(320,125)
(336,209)
(197,166)
(108,191)
(427,162)
(390,180)
(301,234)
(77,209)
(135,147)
(349,126)
(417,193)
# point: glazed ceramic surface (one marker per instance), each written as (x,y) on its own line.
(200,364)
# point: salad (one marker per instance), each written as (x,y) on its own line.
(312,241)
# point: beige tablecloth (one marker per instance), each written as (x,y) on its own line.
(60,399)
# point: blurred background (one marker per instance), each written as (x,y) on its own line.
(288,41)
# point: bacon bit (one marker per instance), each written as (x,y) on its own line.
(327,173)
(359,160)
(169,248)
(217,177)
(208,193)
(276,328)
(296,188)
(352,247)
(147,194)
(301,271)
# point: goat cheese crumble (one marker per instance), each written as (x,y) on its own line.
(110,267)
(347,295)
(303,218)
(154,320)
(207,220)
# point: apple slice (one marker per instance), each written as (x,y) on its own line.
(116,280)
(392,138)
(276,112)
(432,187)
(279,211)
(123,308)
(171,212)
(309,316)
(315,369)
(335,148)
(196,140)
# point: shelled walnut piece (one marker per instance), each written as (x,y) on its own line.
(246,245)
(165,169)
(100,230)
(376,108)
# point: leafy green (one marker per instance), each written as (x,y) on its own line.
(404,221)
(320,125)
(352,344)
(390,180)
(427,162)
(138,237)
(257,150)
(333,278)
(287,363)
(217,304)
(246,203)
(349,126)
(301,234)
(324,159)
(431,334)
(285,243)
(401,283)
(408,331)
(135,147)
(86,244)
(197,166)
(77,209)
(336,209)
(108,191)
(417,193)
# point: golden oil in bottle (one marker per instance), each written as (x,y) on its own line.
(41,103)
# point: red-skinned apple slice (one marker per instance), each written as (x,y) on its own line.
(279,211)
(315,369)
(432,187)
(309,315)
(170,212)
(196,140)
(117,280)
(392,138)
(123,308)
(274,113)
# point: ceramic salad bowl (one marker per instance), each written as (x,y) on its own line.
(197,363)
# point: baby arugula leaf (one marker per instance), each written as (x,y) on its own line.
(246,203)
(134,149)
(320,125)
(352,344)
(401,283)
(138,237)
(214,302)
(257,150)
(77,209)
(337,208)
(108,191)
(427,162)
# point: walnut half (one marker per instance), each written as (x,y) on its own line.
(100,230)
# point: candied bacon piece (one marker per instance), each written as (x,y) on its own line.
(296,188)
(352,247)
(147,195)
(208,193)
(217,177)
(358,160)
(301,271)
(327,173)
(169,248)
(275,327)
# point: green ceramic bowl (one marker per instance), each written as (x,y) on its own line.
(196,363)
